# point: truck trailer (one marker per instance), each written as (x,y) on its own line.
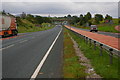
(8,25)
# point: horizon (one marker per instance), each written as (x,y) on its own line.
(62,9)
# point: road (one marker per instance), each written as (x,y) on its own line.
(104,39)
(23,55)
(117,35)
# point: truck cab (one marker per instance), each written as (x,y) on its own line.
(93,28)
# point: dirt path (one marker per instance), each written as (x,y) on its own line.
(85,62)
(108,40)
(117,28)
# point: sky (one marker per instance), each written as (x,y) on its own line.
(61,7)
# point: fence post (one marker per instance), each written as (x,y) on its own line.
(101,48)
(90,41)
(86,40)
(111,56)
(80,35)
(95,45)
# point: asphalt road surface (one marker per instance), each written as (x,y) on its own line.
(24,55)
(104,33)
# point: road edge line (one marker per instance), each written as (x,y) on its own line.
(34,75)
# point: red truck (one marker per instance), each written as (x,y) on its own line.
(8,25)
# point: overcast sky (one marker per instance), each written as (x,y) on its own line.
(61,8)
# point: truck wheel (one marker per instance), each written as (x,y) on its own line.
(3,36)
(96,31)
(16,32)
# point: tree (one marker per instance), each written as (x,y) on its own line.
(81,16)
(82,20)
(98,18)
(85,19)
(69,16)
(41,20)
(23,15)
(88,16)
(30,18)
(75,19)
(108,17)
(65,17)
(3,12)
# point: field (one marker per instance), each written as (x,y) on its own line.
(105,27)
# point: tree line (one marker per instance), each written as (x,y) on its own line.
(87,19)
(33,19)
(36,19)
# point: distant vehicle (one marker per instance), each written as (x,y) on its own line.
(93,28)
(8,25)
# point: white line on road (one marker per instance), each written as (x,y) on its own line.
(7,47)
(34,75)
(23,41)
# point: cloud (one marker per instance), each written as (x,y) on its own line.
(119,9)
(60,1)
(62,8)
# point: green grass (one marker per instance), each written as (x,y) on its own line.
(107,28)
(104,27)
(33,29)
(100,63)
(27,26)
(71,66)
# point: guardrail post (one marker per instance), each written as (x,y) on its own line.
(90,41)
(111,55)
(101,48)
(86,40)
(80,36)
(95,45)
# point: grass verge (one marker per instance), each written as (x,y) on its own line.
(99,63)
(27,26)
(32,29)
(104,27)
(71,67)
(107,28)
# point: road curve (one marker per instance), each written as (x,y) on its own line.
(117,28)
(116,35)
(108,40)
(22,55)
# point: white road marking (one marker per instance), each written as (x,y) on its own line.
(34,75)
(23,41)
(7,47)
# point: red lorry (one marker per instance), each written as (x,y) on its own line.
(8,25)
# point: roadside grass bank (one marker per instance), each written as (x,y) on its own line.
(26,26)
(108,27)
(71,65)
(33,29)
(102,27)
(100,63)
(105,27)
